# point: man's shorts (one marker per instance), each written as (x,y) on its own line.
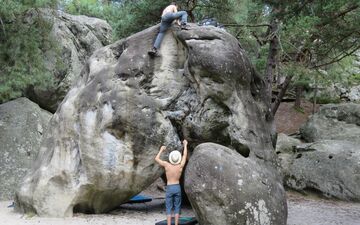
(173,198)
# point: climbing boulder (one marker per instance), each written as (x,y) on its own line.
(22,124)
(226,188)
(76,38)
(333,122)
(103,139)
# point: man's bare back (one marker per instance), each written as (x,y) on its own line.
(173,173)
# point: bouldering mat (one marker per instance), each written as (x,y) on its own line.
(140,199)
(182,221)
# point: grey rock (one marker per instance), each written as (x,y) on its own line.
(354,94)
(285,150)
(76,38)
(329,167)
(125,105)
(226,188)
(22,124)
(333,122)
(286,144)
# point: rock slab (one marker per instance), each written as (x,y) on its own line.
(22,125)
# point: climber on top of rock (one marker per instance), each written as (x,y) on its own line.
(168,16)
(173,172)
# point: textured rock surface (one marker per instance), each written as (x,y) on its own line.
(108,129)
(333,122)
(22,124)
(329,164)
(330,167)
(354,94)
(226,188)
(76,39)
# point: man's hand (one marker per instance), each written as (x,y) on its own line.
(185,142)
(162,148)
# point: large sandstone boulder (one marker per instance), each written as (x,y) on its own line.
(76,38)
(333,122)
(329,167)
(22,124)
(111,124)
(226,188)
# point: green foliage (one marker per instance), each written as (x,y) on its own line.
(135,16)
(22,45)
(325,99)
(354,78)
(312,35)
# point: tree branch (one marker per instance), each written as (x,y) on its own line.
(337,58)
(3,27)
(337,15)
(279,97)
(246,25)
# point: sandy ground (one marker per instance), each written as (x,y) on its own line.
(135,214)
(303,210)
(311,210)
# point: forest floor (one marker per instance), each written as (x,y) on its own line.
(288,119)
(302,210)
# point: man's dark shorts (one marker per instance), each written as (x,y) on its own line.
(173,198)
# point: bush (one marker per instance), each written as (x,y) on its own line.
(326,100)
(21,51)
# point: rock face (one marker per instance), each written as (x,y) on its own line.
(354,94)
(328,163)
(333,122)
(76,39)
(125,105)
(22,124)
(226,188)
(329,166)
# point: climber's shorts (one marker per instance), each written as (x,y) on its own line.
(173,198)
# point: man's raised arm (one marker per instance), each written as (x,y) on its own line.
(157,158)
(184,157)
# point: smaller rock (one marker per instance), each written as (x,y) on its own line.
(225,188)
(286,144)
(354,94)
(333,122)
(330,167)
(22,124)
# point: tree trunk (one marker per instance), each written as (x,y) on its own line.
(298,93)
(272,56)
(315,94)
(190,6)
(281,94)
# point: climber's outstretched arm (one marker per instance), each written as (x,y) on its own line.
(157,158)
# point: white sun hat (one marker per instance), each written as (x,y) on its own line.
(175,157)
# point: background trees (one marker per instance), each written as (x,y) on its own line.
(298,44)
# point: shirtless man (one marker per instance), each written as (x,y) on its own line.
(169,14)
(173,172)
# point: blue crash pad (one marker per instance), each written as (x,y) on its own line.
(140,199)
(182,221)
